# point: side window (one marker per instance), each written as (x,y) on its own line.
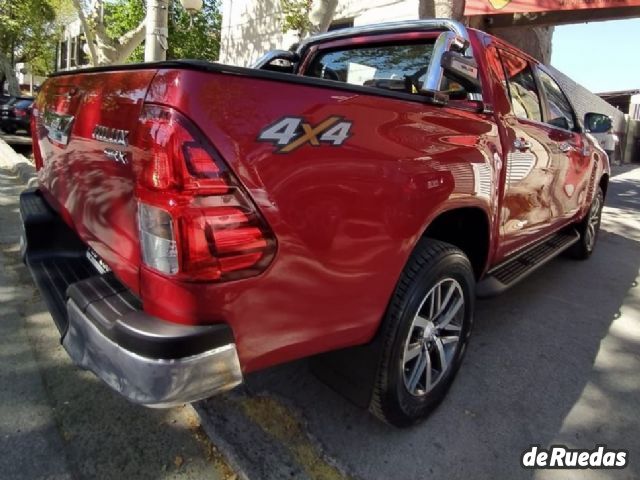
(521,85)
(560,111)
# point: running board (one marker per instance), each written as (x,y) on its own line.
(512,271)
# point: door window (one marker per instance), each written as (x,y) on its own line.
(560,110)
(521,85)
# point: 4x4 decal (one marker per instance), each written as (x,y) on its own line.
(289,133)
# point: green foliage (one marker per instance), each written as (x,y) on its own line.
(122,16)
(199,39)
(28,32)
(296,15)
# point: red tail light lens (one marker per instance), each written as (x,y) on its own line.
(218,231)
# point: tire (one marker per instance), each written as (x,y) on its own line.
(589,229)
(411,341)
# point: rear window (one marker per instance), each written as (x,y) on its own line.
(393,67)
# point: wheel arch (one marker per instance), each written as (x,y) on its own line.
(604,183)
(466,227)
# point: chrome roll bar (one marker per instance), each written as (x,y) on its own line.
(390,27)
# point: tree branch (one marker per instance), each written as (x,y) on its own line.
(88,32)
(322,12)
(130,40)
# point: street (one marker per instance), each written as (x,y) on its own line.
(555,360)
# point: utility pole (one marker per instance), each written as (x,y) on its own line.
(155,45)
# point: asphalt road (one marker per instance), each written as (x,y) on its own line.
(58,422)
(555,360)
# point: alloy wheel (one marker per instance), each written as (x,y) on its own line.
(593,223)
(433,337)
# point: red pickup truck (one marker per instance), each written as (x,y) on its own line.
(346,199)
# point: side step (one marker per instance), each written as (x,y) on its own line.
(515,269)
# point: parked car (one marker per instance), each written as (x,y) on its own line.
(4,99)
(16,115)
(196,222)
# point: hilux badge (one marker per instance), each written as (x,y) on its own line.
(111,135)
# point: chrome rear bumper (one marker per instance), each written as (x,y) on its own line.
(154,382)
(104,329)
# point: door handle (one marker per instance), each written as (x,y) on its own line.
(521,144)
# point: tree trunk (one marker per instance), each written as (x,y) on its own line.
(103,49)
(128,42)
(321,15)
(10,75)
(88,32)
(441,9)
(536,41)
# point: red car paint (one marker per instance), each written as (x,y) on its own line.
(345,218)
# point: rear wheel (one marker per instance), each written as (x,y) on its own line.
(589,228)
(425,333)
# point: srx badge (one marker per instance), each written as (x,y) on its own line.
(290,133)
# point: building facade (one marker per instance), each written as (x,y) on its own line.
(252,27)
(29,83)
(70,53)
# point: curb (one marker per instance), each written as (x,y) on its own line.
(17,164)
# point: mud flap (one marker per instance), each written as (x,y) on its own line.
(351,371)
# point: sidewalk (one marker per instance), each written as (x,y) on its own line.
(29,436)
(58,422)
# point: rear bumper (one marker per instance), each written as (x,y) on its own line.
(104,329)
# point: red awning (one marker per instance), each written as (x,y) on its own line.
(487,7)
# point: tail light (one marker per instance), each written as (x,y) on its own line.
(20,113)
(195,219)
(157,240)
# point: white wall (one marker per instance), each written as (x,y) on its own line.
(26,78)
(249,29)
(252,27)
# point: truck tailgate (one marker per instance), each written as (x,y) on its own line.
(83,126)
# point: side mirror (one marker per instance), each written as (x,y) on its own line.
(597,122)
(283,61)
